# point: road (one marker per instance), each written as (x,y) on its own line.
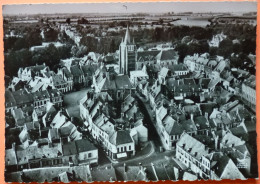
(150,153)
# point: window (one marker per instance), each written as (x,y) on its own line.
(89,155)
(129,147)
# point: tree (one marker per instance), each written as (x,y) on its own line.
(225,48)
(68,20)
(51,35)
(182,51)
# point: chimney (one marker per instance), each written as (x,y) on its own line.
(191,116)
(206,115)
(140,166)
(13,146)
(125,168)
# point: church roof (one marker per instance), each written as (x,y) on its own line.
(127,36)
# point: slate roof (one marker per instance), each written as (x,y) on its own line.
(58,80)
(54,134)
(178,67)
(69,148)
(201,122)
(172,127)
(9,99)
(76,71)
(84,145)
(167,55)
(121,137)
(40,95)
(147,55)
(108,174)
(22,96)
(191,145)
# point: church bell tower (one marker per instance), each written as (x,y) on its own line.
(127,54)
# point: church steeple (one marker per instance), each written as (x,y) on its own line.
(127,36)
(127,54)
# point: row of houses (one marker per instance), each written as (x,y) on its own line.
(51,140)
(24,102)
(40,77)
(112,115)
(230,162)
(79,152)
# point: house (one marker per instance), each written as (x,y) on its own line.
(170,124)
(48,117)
(89,71)
(222,167)
(108,174)
(40,100)
(183,88)
(77,74)
(87,152)
(196,62)
(178,69)
(117,86)
(56,97)
(59,83)
(139,76)
(20,117)
(249,91)
(146,58)
(67,76)
(190,152)
(167,57)
(10,102)
(28,73)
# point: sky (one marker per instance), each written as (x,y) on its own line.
(151,7)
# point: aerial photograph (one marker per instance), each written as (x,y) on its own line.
(130,91)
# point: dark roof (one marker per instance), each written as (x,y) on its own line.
(147,55)
(76,71)
(89,69)
(121,137)
(9,99)
(221,164)
(22,97)
(40,95)
(103,174)
(178,67)
(67,72)
(69,148)
(58,80)
(54,92)
(84,145)
(167,55)
(54,134)
(201,122)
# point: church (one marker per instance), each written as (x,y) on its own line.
(127,54)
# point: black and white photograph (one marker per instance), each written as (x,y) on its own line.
(133,91)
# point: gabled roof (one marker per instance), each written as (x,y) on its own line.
(9,99)
(58,80)
(192,145)
(172,127)
(84,145)
(121,137)
(147,55)
(167,55)
(10,157)
(69,148)
(54,134)
(76,71)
